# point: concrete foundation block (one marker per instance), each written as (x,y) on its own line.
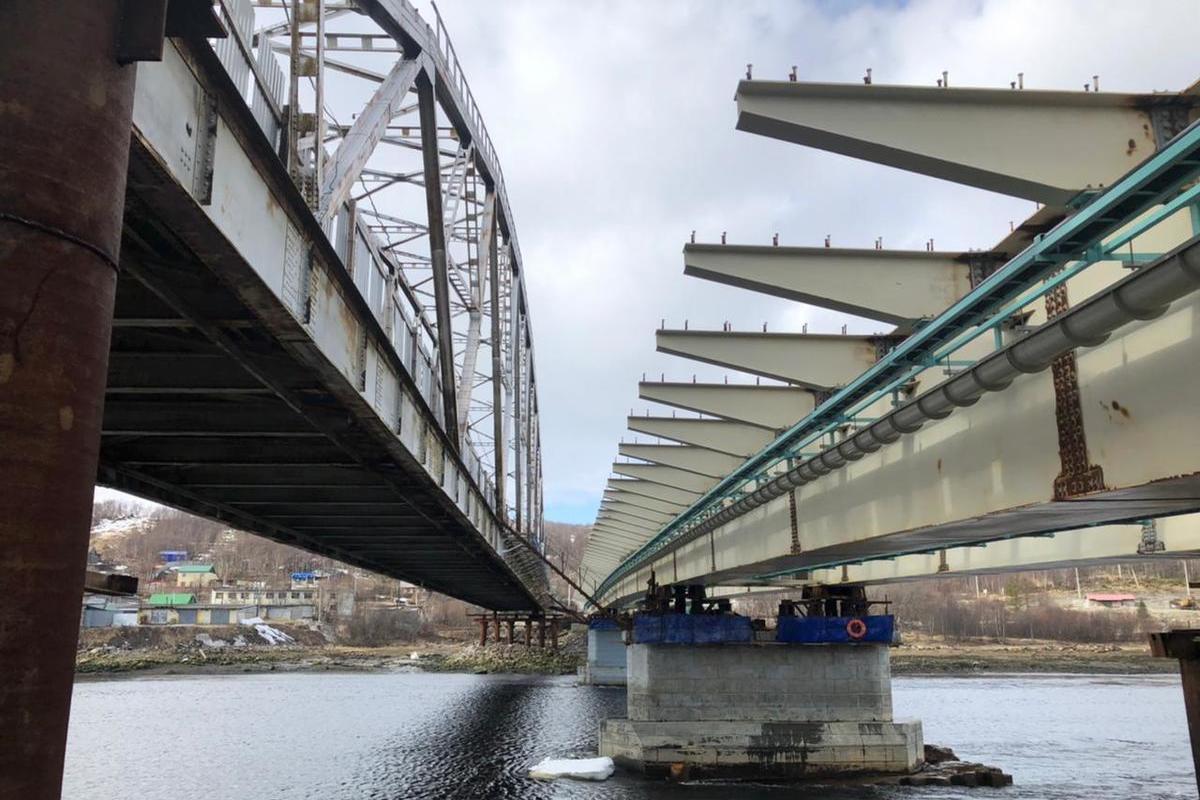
(792,751)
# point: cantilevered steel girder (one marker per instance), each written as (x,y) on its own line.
(732,438)
(667,476)
(771,407)
(641,501)
(700,460)
(815,361)
(653,491)
(896,286)
(1041,145)
(629,509)
(628,521)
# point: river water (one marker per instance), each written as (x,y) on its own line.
(390,736)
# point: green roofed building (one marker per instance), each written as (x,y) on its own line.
(171,599)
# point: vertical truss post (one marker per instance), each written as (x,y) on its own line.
(497,371)
(530,412)
(305,162)
(427,109)
(518,351)
(475,312)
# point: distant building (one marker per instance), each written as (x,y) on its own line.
(291,603)
(181,608)
(172,556)
(101,611)
(1111,599)
(171,599)
(197,576)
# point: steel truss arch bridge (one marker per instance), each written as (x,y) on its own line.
(322,333)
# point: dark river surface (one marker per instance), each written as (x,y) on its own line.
(333,736)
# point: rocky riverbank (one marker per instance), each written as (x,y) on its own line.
(929,657)
(179,650)
(175,650)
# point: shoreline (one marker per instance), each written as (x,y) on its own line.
(925,660)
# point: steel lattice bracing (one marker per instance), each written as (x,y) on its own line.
(322,333)
(1028,390)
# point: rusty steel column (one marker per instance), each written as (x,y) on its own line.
(65,121)
(1184,645)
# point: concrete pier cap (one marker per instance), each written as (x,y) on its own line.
(734,703)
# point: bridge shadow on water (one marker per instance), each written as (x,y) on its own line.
(483,737)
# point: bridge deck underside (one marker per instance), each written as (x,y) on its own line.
(1176,496)
(217,403)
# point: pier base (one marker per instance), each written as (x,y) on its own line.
(761,710)
(605,655)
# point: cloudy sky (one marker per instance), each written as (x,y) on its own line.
(614,122)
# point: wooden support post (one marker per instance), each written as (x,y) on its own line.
(1185,645)
(496,620)
(511,624)
(554,634)
(483,631)
(528,632)
(541,633)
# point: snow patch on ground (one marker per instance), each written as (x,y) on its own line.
(269,635)
(122,526)
(584,769)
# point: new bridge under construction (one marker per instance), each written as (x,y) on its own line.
(261,265)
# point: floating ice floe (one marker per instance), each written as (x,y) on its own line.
(584,769)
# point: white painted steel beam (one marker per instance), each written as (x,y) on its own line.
(613,535)
(641,501)
(1040,145)
(667,476)
(700,460)
(895,286)
(611,549)
(621,526)
(362,137)
(617,535)
(1178,536)
(815,361)
(654,491)
(629,520)
(657,517)
(732,438)
(771,407)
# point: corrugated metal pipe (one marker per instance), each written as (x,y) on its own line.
(1142,295)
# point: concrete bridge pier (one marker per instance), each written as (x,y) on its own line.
(709,697)
(605,654)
